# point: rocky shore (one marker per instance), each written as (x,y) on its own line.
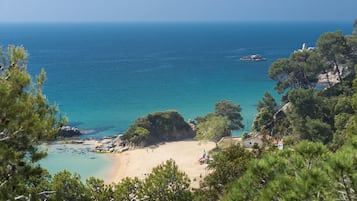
(106,145)
(112,145)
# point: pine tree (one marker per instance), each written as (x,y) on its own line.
(26,118)
(166,182)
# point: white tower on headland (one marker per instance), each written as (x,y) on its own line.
(303,47)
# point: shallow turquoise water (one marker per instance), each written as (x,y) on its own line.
(76,158)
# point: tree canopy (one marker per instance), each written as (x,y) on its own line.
(266,109)
(213,128)
(227,165)
(166,182)
(334,49)
(158,127)
(310,172)
(232,112)
(26,118)
(319,157)
(216,125)
(299,71)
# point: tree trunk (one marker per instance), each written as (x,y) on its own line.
(345,186)
(328,79)
(338,70)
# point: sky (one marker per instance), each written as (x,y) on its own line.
(176,10)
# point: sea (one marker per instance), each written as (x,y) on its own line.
(103,76)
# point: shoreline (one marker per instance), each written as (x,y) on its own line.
(140,162)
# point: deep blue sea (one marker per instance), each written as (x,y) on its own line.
(104,76)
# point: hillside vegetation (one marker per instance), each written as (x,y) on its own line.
(158,127)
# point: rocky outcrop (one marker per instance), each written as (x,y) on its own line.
(158,127)
(67,131)
(114,144)
(192,124)
(331,78)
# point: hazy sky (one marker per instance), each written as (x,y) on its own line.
(176,10)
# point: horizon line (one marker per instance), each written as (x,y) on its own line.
(173,21)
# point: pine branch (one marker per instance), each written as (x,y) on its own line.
(43,193)
(4,135)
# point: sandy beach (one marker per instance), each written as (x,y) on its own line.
(139,162)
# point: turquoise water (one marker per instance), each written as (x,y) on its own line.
(104,76)
(76,158)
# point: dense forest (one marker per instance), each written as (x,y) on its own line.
(317,124)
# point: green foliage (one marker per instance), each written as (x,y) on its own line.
(266,110)
(287,175)
(127,189)
(232,112)
(98,191)
(166,182)
(317,131)
(16,55)
(355,27)
(262,119)
(140,134)
(333,48)
(343,164)
(68,187)
(299,71)
(305,102)
(245,135)
(227,165)
(267,102)
(343,88)
(352,44)
(158,127)
(309,171)
(279,71)
(312,117)
(213,128)
(26,118)
(216,125)
(343,105)
(341,121)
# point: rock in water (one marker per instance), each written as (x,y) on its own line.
(67,131)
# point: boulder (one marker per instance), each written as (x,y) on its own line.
(67,131)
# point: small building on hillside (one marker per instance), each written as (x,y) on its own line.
(279,144)
(258,140)
(249,143)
